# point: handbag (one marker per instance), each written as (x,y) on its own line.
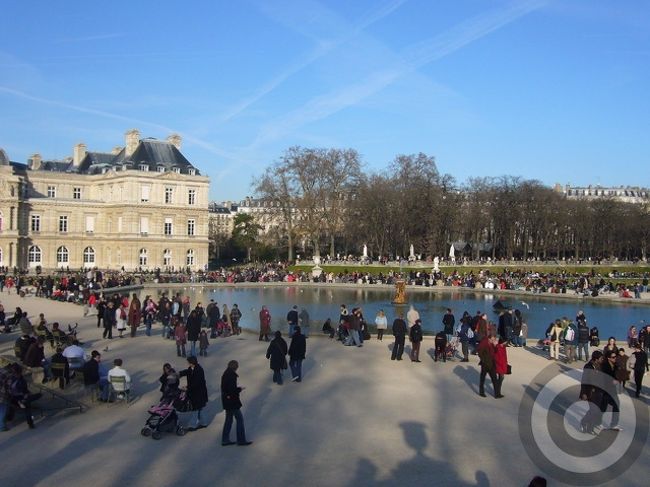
(509,370)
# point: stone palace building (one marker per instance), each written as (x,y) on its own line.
(141,206)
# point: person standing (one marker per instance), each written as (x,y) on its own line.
(120,319)
(235,317)
(399,332)
(265,324)
(197,390)
(381,322)
(297,350)
(180,336)
(415,335)
(639,364)
(135,314)
(277,352)
(500,366)
(583,340)
(231,402)
(555,334)
(609,367)
(292,319)
(303,321)
(193,330)
(109,320)
(465,335)
(448,321)
(570,342)
(486,353)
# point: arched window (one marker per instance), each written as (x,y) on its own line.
(190,257)
(34,255)
(89,257)
(143,257)
(167,257)
(62,256)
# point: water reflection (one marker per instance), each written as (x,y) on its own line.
(324,302)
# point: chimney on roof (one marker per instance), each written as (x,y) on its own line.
(175,140)
(132,141)
(116,150)
(78,153)
(35,162)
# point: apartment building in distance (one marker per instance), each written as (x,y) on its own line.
(625,194)
(141,206)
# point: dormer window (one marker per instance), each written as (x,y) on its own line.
(177,170)
(144,167)
(161,168)
(191,171)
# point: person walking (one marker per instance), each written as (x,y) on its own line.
(101,308)
(638,363)
(197,390)
(399,332)
(381,322)
(590,392)
(570,342)
(277,352)
(415,335)
(120,319)
(297,350)
(231,403)
(465,335)
(265,324)
(235,317)
(486,353)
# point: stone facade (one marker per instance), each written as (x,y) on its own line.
(141,207)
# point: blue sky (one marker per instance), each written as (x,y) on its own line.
(544,89)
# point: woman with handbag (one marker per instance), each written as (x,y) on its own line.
(501,366)
(277,352)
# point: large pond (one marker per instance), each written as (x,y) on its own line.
(323,302)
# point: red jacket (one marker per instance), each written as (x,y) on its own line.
(501,359)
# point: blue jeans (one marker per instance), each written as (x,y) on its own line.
(148,320)
(296,368)
(291,329)
(354,338)
(104,389)
(583,347)
(277,376)
(196,418)
(227,425)
(166,329)
(193,349)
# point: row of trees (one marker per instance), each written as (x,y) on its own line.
(322,197)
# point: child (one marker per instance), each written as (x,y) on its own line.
(180,335)
(203,343)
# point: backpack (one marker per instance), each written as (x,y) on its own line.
(570,334)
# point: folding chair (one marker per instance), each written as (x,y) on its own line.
(119,388)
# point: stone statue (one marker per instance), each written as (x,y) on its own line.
(400,292)
(436,263)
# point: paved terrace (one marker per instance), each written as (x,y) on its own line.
(356,419)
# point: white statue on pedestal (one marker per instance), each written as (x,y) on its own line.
(365,251)
(436,263)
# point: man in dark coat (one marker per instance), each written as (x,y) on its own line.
(277,352)
(292,319)
(297,351)
(93,377)
(448,322)
(640,366)
(193,331)
(415,334)
(109,320)
(589,391)
(232,405)
(399,332)
(197,391)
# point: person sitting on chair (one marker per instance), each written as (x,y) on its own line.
(60,368)
(118,371)
(75,355)
(93,375)
(20,395)
(22,345)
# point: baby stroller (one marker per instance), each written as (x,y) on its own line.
(452,348)
(163,419)
(594,339)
